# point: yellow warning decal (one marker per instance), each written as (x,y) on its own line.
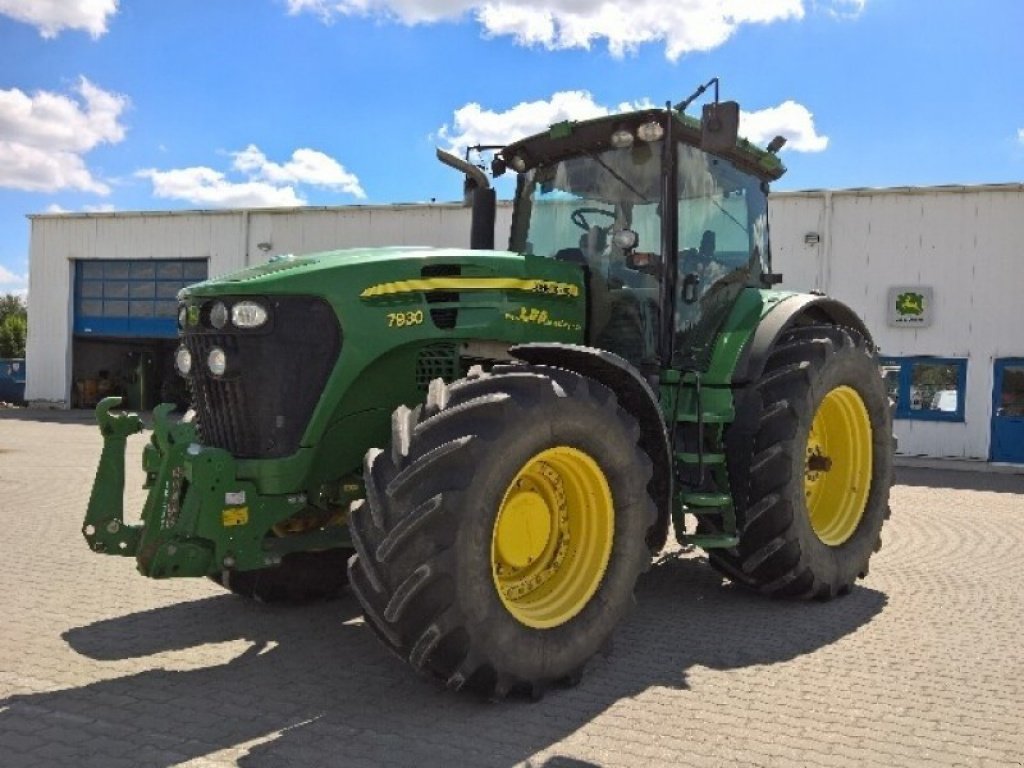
(234,516)
(548,287)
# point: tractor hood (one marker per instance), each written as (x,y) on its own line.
(366,272)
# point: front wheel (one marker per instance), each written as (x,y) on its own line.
(503,533)
(810,465)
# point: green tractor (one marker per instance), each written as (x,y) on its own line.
(545,413)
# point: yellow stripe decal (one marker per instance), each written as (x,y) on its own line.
(548,287)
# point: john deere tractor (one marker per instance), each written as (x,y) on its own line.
(544,414)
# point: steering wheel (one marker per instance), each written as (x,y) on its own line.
(579,217)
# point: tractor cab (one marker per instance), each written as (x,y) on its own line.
(666,231)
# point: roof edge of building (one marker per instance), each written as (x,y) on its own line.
(925,190)
(236,211)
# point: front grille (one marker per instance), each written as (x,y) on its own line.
(260,407)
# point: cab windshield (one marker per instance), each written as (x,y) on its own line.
(604,210)
(572,210)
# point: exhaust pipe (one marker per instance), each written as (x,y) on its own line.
(479,194)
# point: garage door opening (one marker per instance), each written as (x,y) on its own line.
(125,330)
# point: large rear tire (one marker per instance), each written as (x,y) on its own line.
(504,531)
(810,466)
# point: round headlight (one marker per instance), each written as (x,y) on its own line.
(182,316)
(183,361)
(217,361)
(651,131)
(622,139)
(218,315)
(248,314)
(518,163)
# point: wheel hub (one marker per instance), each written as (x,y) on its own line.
(524,529)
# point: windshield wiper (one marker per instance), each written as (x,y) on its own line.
(719,207)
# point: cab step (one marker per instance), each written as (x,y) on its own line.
(711,540)
(709,458)
(706,502)
(710,417)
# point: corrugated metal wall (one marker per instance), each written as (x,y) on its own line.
(963,242)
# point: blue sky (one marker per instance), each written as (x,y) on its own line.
(145,104)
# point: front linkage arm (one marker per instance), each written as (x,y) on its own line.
(199,516)
(104,527)
(165,543)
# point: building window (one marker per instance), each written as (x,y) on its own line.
(927,388)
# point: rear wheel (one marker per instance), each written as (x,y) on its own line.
(503,533)
(810,465)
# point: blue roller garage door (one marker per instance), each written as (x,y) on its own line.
(131,297)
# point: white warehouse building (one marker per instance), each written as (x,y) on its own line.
(935,273)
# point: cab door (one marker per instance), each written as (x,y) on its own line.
(1008,411)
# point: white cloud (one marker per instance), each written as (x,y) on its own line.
(307,166)
(43,136)
(11,282)
(100,208)
(207,187)
(473,124)
(846,9)
(683,26)
(789,119)
(1020,135)
(264,183)
(53,16)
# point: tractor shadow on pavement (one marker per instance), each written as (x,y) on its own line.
(313,687)
(962,480)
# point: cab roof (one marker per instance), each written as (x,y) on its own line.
(568,137)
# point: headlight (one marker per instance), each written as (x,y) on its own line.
(218,315)
(183,361)
(217,361)
(622,139)
(651,131)
(248,314)
(518,163)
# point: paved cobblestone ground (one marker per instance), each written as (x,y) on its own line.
(921,665)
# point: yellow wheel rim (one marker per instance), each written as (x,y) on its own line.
(837,476)
(553,537)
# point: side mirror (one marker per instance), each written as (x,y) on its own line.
(719,126)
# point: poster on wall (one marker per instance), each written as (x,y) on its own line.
(910,306)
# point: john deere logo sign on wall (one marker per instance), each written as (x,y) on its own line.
(910,306)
